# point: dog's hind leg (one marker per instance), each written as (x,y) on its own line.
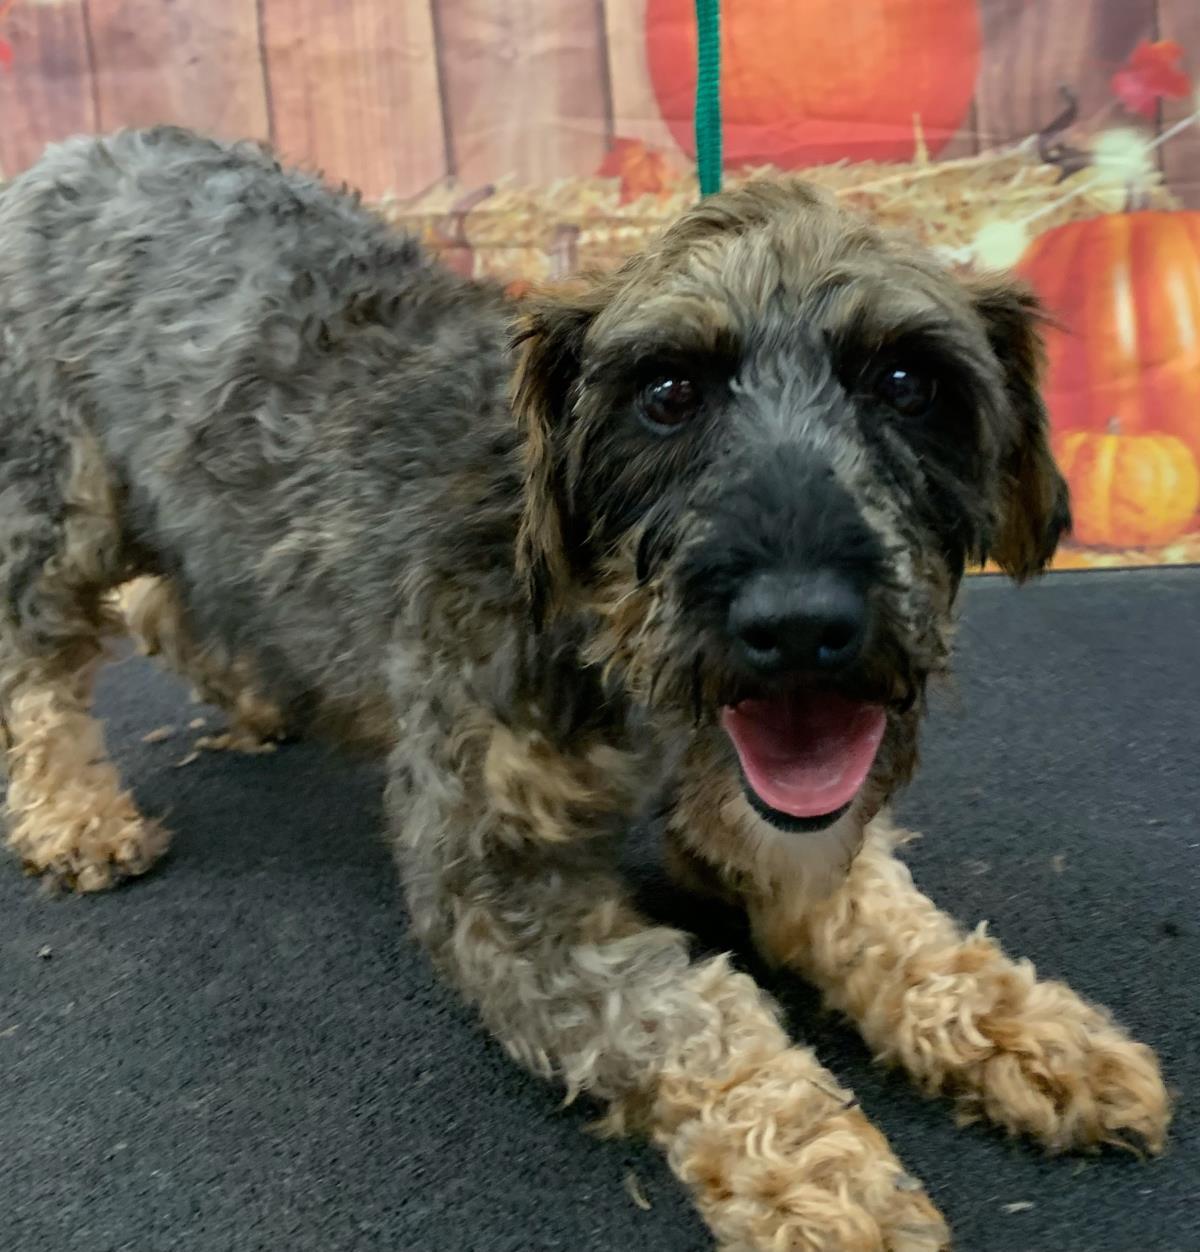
(61,549)
(155,615)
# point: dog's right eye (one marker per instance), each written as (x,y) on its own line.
(668,403)
(910,392)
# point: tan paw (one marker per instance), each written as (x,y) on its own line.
(84,848)
(780,1162)
(1066,1074)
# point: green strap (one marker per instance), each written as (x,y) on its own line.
(708,95)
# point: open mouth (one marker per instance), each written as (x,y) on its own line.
(806,754)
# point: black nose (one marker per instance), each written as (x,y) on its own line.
(814,622)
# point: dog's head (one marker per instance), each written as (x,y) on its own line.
(761,455)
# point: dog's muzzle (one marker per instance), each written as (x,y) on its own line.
(805,747)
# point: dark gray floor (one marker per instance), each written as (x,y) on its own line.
(245,1051)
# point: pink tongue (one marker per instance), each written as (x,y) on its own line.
(806,754)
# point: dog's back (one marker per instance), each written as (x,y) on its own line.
(272,381)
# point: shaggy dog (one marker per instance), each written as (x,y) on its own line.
(685,536)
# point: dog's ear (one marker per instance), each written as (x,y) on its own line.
(1034,508)
(548,349)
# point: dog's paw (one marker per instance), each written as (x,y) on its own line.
(1063,1072)
(781,1161)
(840,1190)
(85,843)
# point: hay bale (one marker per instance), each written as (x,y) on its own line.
(512,232)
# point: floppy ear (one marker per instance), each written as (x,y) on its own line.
(1034,509)
(548,346)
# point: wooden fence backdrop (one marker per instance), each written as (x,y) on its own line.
(394,95)
(527,139)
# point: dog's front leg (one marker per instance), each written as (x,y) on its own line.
(960,1016)
(512,891)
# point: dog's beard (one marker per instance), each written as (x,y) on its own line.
(804,751)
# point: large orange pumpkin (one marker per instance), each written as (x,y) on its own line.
(808,82)
(1128,491)
(1125,288)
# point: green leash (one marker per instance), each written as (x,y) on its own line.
(708,95)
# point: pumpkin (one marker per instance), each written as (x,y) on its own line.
(1128,491)
(1125,288)
(809,82)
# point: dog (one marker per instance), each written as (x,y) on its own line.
(682,538)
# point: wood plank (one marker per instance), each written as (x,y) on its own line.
(1180,20)
(1032,49)
(354,91)
(188,62)
(46,93)
(525,86)
(966,142)
(635,111)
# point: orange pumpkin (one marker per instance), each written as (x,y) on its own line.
(1126,289)
(1128,491)
(808,82)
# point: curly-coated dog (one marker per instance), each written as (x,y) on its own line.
(684,536)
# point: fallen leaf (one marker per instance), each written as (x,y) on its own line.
(1018,1206)
(187,760)
(197,723)
(610,167)
(643,171)
(45,952)
(1154,72)
(159,734)
(1058,863)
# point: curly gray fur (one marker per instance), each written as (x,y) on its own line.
(279,382)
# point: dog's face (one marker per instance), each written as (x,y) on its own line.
(761,455)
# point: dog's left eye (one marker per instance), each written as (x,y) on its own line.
(669,402)
(909,391)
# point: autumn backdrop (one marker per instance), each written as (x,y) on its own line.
(532,137)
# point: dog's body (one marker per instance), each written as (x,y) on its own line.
(237,366)
(711,564)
